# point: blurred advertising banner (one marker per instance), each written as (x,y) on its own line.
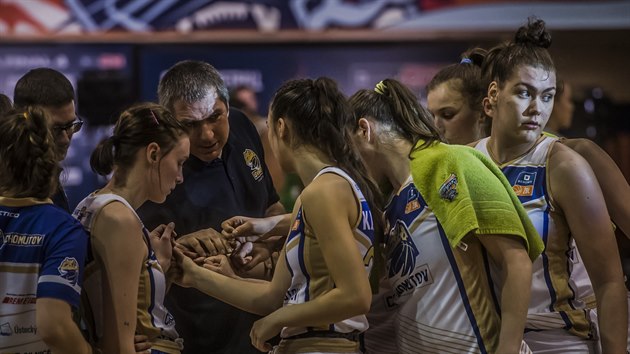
(45,17)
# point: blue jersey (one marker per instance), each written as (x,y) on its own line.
(42,252)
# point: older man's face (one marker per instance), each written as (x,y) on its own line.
(207,121)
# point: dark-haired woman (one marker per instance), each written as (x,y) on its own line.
(563,199)
(42,248)
(125,282)
(320,291)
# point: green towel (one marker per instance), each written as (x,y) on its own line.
(468,193)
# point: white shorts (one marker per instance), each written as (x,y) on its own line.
(559,341)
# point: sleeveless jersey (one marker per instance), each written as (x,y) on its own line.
(310,277)
(42,253)
(445,297)
(561,288)
(153,319)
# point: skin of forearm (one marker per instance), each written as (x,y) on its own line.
(281,224)
(332,307)
(613,316)
(236,292)
(67,339)
(515,297)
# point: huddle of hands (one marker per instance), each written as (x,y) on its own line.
(242,244)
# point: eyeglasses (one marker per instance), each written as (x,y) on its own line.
(69,128)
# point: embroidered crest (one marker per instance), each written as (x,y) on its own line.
(69,270)
(448,190)
(252,160)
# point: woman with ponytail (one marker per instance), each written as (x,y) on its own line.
(42,249)
(125,280)
(319,293)
(454,230)
(563,199)
(454,97)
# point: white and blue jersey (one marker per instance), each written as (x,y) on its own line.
(310,277)
(561,288)
(445,296)
(153,319)
(42,254)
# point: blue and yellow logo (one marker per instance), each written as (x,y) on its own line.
(69,270)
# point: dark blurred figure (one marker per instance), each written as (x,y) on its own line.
(53,93)
(244,98)
(562,115)
(5,104)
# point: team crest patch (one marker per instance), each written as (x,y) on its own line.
(252,160)
(69,270)
(448,190)
(524,185)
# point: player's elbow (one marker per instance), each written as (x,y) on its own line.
(53,331)
(360,302)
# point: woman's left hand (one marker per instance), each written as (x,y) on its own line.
(162,244)
(263,330)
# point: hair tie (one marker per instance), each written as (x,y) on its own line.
(25,114)
(466,61)
(380,88)
(154,118)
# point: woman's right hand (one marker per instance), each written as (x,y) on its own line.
(183,270)
(246,229)
(220,264)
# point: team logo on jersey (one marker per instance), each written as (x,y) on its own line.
(402,251)
(412,201)
(448,190)
(69,270)
(296,225)
(169,320)
(82,215)
(524,185)
(5,329)
(252,160)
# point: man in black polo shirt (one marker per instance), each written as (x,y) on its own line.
(225,176)
(51,91)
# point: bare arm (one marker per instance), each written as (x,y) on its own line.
(118,244)
(614,185)
(275,209)
(578,194)
(333,228)
(57,329)
(258,228)
(259,297)
(510,255)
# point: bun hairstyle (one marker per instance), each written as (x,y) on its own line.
(529,47)
(534,34)
(28,158)
(136,128)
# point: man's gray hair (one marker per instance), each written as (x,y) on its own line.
(190,81)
